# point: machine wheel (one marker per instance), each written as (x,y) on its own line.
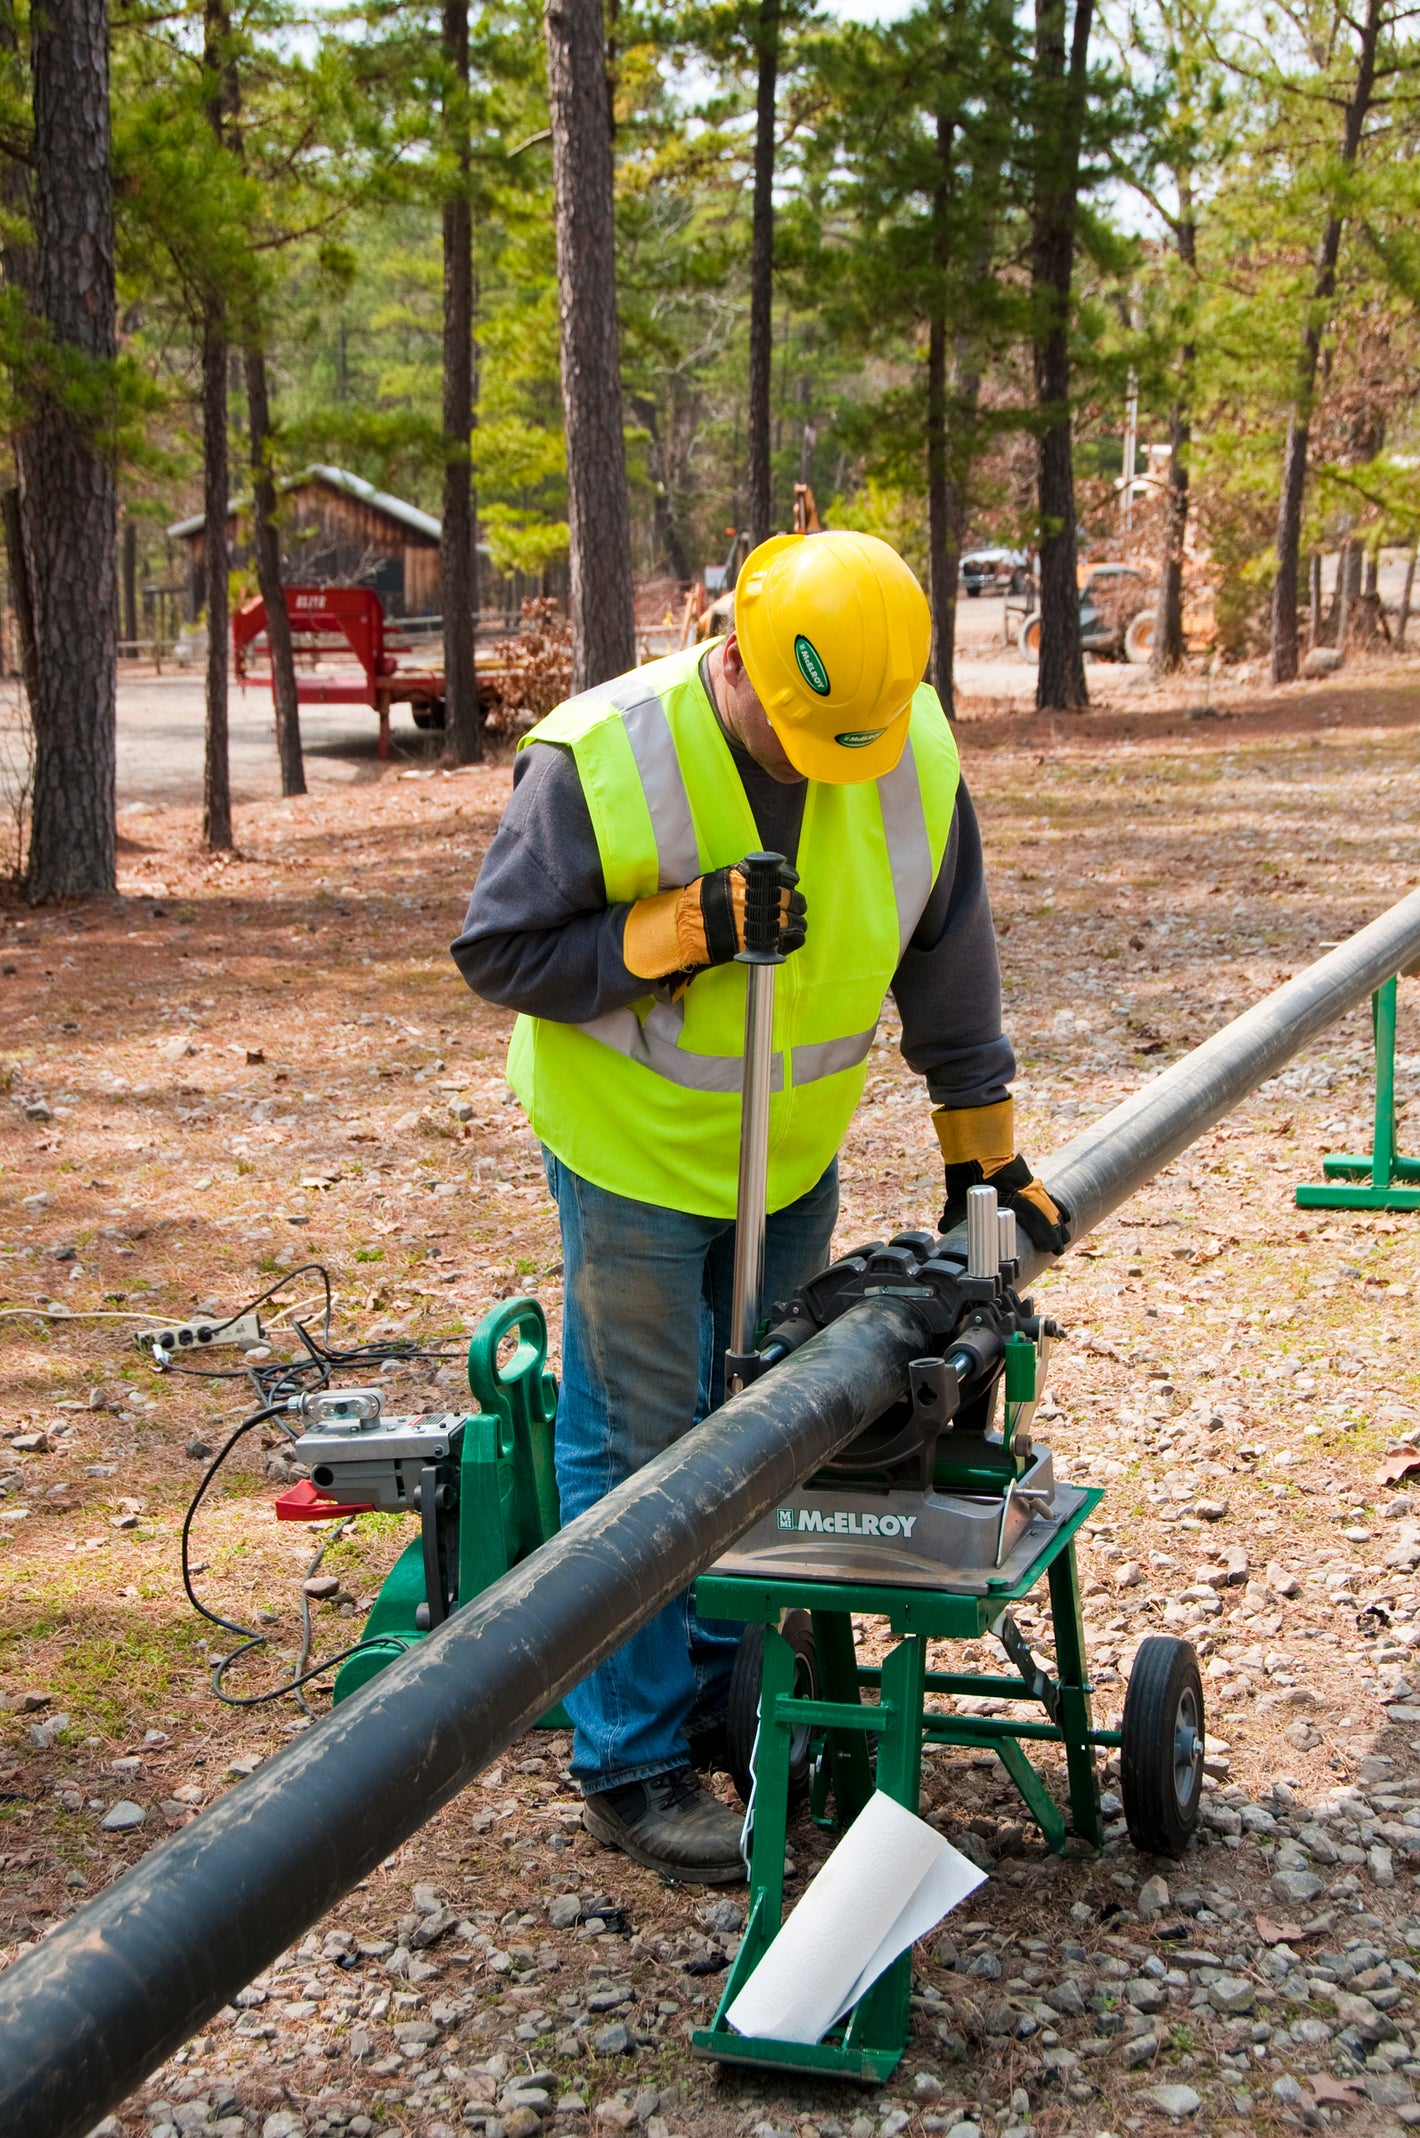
(1161,1756)
(1139,639)
(742,1713)
(431,715)
(1030,637)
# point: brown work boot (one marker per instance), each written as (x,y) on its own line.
(672,1825)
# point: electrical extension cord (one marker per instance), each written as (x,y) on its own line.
(175,1339)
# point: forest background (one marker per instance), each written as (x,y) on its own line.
(600,286)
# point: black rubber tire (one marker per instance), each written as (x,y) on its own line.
(742,1708)
(1030,636)
(432,714)
(1139,639)
(1161,1756)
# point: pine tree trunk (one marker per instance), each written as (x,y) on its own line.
(946,497)
(760,475)
(941,578)
(941,562)
(221,87)
(1404,617)
(458,555)
(1167,654)
(68,491)
(266,541)
(1370,622)
(665,489)
(17,272)
(216,559)
(130,585)
(1285,640)
(1314,599)
(1294,457)
(1060,94)
(600,593)
(1166,657)
(1344,589)
(20,600)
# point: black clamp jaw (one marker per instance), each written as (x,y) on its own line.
(969,1319)
(919,1266)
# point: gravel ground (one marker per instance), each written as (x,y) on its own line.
(239,1066)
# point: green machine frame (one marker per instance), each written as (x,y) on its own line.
(1345,1186)
(868,2044)
(504,1490)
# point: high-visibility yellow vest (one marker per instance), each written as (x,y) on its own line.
(645,1101)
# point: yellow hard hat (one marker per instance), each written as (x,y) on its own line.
(834,631)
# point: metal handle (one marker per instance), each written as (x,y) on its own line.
(760,956)
(1040,1504)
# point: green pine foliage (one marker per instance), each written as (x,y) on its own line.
(903,190)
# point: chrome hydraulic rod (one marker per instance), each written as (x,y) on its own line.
(97,2005)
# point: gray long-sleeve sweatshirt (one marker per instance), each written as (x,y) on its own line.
(540,936)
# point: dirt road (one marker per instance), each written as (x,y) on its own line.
(160,742)
(160,721)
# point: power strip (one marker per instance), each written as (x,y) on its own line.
(180,1336)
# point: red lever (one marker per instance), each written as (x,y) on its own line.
(304,1504)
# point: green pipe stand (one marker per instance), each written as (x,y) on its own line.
(1346,1186)
(870,2041)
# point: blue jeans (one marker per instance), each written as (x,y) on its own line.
(645,1326)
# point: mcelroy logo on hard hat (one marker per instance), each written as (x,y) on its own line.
(843,1524)
(859,738)
(811,668)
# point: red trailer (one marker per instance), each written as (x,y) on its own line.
(343,620)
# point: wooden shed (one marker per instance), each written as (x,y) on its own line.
(336,530)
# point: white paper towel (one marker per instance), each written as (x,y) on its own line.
(888,1881)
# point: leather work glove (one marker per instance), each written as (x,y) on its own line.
(683,932)
(978,1144)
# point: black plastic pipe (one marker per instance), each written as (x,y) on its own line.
(1106,1162)
(86,2016)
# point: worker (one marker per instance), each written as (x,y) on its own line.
(608,913)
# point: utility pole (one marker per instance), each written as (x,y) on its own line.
(1131,452)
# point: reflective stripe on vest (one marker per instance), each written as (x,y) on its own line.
(645,1100)
(655,1042)
(909,849)
(653,747)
